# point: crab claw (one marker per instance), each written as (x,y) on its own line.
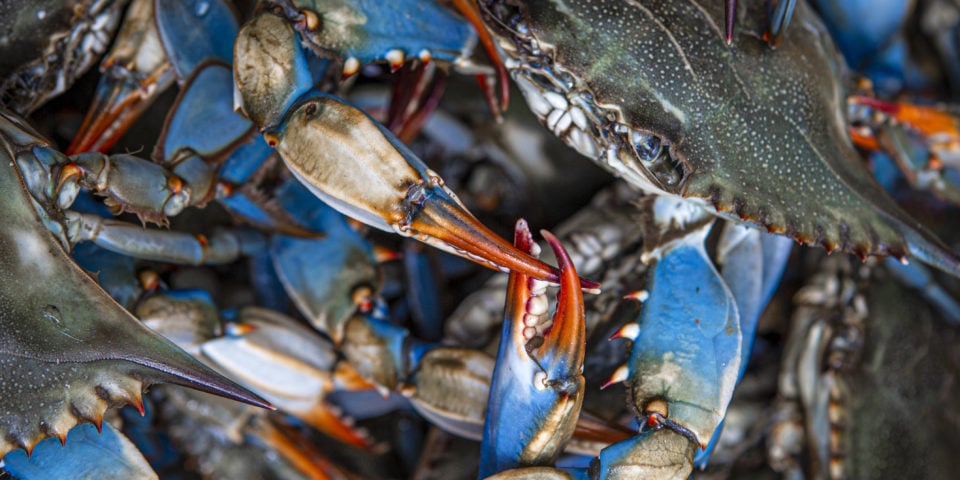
(160,42)
(358,167)
(135,72)
(537,387)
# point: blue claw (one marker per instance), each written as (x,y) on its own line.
(537,386)
(86,454)
(160,42)
(687,342)
(370,31)
(195,30)
(203,119)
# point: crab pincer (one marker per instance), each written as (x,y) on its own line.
(160,43)
(358,167)
(537,388)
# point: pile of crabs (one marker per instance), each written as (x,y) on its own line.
(319,221)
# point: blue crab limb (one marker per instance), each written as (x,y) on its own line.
(86,453)
(687,342)
(538,371)
(741,253)
(134,73)
(367,31)
(655,454)
(355,165)
(206,102)
(222,246)
(158,43)
(345,274)
(662,454)
(290,366)
(196,30)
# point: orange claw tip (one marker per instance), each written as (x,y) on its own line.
(442,222)
(329,420)
(239,329)
(137,403)
(117,104)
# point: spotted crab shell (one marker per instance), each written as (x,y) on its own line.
(756,134)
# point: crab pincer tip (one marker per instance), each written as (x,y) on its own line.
(442,221)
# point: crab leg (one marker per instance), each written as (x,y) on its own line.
(687,341)
(358,167)
(538,371)
(159,42)
(291,366)
(177,247)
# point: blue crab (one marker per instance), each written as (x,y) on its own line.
(662,140)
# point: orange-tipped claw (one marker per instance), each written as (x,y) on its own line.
(119,101)
(358,167)
(443,219)
(331,423)
(537,387)
(567,333)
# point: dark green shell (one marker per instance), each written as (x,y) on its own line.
(759,133)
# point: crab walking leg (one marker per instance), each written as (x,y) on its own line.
(537,388)
(223,246)
(358,167)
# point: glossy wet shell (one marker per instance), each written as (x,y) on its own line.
(68,351)
(760,133)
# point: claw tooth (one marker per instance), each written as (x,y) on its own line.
(28,447)
(529,332)
(621,374)
(98,422)
(629,331)
(537,305)
(395,57)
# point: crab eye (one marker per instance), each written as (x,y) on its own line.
(647,147)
